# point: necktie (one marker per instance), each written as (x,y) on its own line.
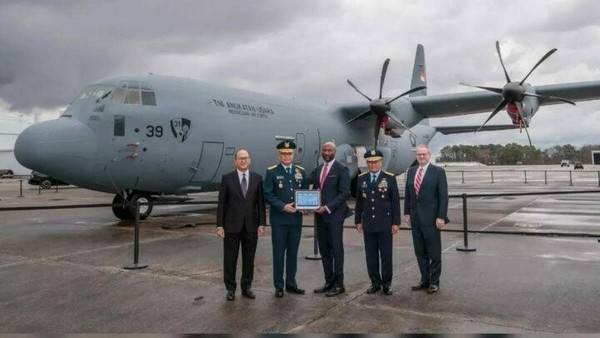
(244,185)
(323,175)
(288,170)
(373,179)
(418,182)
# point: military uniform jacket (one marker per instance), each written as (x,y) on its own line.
(279,188)
(377,205)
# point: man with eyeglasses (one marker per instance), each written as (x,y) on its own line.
(425,211)
(279,186)
(240,220)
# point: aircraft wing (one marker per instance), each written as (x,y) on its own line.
(472,129)
(484,101)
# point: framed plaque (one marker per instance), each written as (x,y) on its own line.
(307,199)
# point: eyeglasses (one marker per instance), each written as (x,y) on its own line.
(243,158)
(422,154)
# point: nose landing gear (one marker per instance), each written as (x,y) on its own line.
(122,205)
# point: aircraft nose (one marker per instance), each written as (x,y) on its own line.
(61,148)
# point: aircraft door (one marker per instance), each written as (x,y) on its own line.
(300,148)
(205,169)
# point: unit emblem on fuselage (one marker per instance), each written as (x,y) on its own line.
(180,128)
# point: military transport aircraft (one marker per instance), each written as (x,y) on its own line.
(150,137)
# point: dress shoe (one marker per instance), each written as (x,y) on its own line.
(373,288)
(230,295)
(387,290)
(336,290)
(420,286)
(324,288)
(278,293)
(295,290)
(248,293)
(433,288)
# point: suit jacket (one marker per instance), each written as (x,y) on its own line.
(279,189)
(234,210)
(377,205)
(432,202)
(335,192)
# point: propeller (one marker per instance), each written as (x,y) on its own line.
(514,92)
(381,107)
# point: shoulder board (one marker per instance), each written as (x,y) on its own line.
(272,167)
(362,174)
(299,167)
(390,173)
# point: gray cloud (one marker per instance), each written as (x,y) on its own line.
(307,49)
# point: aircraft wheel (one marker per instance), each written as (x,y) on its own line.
(120,209)
(46,184)
(146,204)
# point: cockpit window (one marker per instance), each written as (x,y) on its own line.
(118,94)
(94,92)
(134,92)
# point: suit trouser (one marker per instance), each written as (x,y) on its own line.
(331,245)
(379,244)
(231,248)
(428,249)
(286,240)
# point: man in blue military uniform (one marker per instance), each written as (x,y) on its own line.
(377,216)
(279,186)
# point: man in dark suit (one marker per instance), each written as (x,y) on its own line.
(377,216)
(281,182)
(333,180)
(240,220)
(426,211)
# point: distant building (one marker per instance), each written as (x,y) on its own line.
(10,128)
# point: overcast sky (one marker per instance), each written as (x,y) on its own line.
(50,50)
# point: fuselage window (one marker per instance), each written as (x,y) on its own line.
(148,98)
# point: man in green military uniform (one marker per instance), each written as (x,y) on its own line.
(377,216)
(279,186)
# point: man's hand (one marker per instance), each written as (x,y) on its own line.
(320,210)
(407,220)
(289,208)
(440,223)
(395,229)
(359,227)
(221,232)
(261,230)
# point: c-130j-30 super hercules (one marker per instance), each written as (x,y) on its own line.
(151,136)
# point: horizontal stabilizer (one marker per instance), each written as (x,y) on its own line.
(469,129)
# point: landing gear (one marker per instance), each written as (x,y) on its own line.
(122,210)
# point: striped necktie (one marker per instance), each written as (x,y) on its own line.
(418,182)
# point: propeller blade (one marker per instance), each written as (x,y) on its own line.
(359,117)
(501,105)
(353,86)
(393,118)
(416,89)
(491,89)
(386,63)
(550,97)
(537,64)
(519,109)
(377,128)
(502,62)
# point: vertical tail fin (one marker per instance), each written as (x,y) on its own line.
(419,76)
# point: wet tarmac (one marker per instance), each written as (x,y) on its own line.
(61,271)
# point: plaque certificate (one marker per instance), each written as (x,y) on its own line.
(308,199)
